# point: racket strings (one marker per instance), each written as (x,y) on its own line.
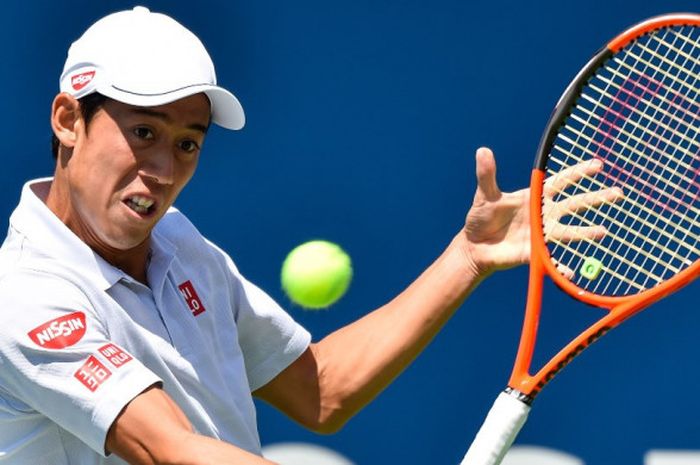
(680,218)
(666,126)
(580,136)
(673,117)
(639,115)
(663,60)
(613,253)
(656,111)
(599,185)
(627,243)
(673,112)
(659,111)
(671,45)
(592,128)
(645,90)
(614,273)
(658,124)
(665,158)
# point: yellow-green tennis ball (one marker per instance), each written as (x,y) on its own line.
(316,274)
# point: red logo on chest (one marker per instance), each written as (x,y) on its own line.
(60,332)
(191,297)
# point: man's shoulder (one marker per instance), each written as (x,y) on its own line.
(26,281)
(28,294)
(25,266)
(177,228)
(190,245)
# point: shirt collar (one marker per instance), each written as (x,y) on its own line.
(52,238)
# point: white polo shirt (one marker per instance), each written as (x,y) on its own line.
(79,338)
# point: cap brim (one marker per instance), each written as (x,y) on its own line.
(226,110)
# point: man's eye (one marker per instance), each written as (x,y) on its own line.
(143,133)
(189,146)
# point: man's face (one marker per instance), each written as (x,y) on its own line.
(128,167)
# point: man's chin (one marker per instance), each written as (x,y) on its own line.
(126,241)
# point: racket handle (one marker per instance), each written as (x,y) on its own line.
(502,424)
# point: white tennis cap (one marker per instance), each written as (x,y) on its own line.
(146,59)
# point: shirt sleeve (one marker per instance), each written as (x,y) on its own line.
(56,357)
(269,337)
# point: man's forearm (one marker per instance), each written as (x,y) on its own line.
(358,361)
(202,450)
(152,430)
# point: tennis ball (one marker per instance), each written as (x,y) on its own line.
(316,274)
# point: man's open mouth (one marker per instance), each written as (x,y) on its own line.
(141,205)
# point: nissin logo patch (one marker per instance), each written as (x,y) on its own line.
(59,332)
(81,80)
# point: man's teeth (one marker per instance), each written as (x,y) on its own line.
(139,204)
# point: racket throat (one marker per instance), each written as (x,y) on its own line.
(532,385)
(521,396)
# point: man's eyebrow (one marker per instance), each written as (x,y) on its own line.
(165,117)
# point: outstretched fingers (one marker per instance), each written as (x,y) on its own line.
(575,205)
(571,175)
(559,232)
(581,202)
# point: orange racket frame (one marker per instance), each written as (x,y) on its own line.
(619,308)
(510,410)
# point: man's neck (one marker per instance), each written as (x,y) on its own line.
(133,262)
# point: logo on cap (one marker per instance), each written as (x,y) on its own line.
(60,332)
(79,81)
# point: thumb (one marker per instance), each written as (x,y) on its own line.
(487,188)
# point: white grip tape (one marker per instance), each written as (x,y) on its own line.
(498,432)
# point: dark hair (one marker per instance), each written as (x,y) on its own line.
(88,107)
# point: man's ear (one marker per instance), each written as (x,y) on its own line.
(65,118)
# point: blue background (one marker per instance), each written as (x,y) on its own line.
(363,118)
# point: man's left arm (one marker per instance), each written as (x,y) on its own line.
(340,374)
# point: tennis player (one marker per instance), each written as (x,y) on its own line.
(125,336)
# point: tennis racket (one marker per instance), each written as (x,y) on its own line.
(621,151)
